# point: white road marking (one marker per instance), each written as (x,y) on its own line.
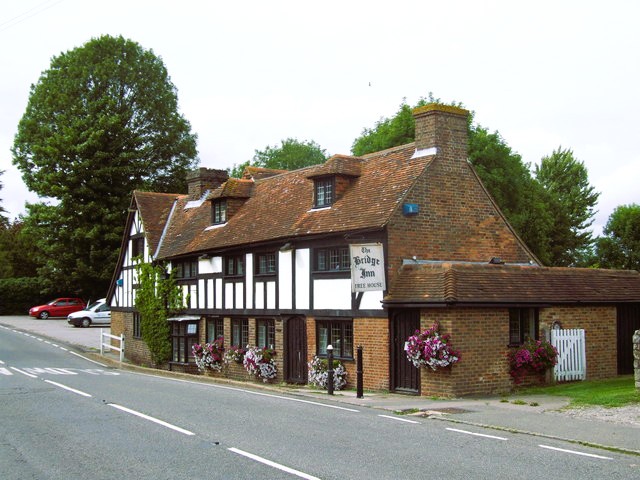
(151,419)
(24,373)
(84,394)
(88,359)
(398,419)
(476,434)
(292,471)
(223,387)
(575,453)
(1,362)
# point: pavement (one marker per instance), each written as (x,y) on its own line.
(538,415)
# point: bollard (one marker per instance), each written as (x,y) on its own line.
(330,370)
(359,393)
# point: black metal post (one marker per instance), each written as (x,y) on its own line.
(359,393)
(330,370)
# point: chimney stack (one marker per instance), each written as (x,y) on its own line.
(203,179)
(442,127)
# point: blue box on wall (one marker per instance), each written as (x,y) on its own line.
(410,209)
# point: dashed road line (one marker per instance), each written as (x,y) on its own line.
(151,419)
(398,419)
(466,432)
(79,392)
(574,452)
(270,463)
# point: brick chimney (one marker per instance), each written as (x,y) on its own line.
(203,179)
(442,127)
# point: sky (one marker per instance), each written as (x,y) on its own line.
(544,74)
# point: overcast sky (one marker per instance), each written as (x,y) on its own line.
(252,73)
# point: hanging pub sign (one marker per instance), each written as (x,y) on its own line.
(367,267)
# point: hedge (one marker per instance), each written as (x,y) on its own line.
(18,295)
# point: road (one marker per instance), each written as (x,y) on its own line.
(66,417)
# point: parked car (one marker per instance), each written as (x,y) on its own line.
(98,312)
(60,307)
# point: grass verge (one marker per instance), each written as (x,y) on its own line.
(614,392)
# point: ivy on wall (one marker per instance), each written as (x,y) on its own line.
(157,298)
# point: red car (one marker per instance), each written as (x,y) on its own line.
(60,307)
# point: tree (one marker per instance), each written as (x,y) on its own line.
(3,218)
(509,181)
(619,247)
(101,122)
(18,253)
(290,155)
(571,203)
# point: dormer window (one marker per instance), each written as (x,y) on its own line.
(219,212)
(324,192)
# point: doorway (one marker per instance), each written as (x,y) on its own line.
(405,378)
(296,350)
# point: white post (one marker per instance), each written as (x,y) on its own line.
(101,337)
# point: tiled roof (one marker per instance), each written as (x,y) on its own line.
(154,210)
(280,207)
(233,188)
(258,173)
(460,283)
(337,165)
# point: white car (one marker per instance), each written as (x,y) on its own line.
(98,313)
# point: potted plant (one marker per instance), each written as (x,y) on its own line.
(260,363)
(209,356)
(534,356)
(319,373)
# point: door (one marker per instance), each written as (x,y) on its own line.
(405,378)
(103,315)
(296,350)
(628,323)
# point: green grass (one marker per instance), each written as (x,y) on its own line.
(614,392)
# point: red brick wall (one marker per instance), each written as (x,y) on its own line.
(481,336)
(600,325)
(135,350)
(373,335)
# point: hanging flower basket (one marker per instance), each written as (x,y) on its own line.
(209,356)
(260,363)
(533,357)
(234,354)
(430,349)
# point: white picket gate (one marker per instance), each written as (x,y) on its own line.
(572,358)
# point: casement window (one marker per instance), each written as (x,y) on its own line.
(183,336)
(234,265)
(215,329)
(186,268)
(219,212)
(137,325)
(239,332)
(137,246)
(523,325)
(266,333)
(338,334)
(324,192)
(265,263)
(332,259)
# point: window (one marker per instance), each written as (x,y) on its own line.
(523,325)
(337,333)
(186,268)
(265,264)
(266,333)
(324,192)
(137,326)
(215,329)
(332,259)
(234,265)
(183,336)
(219,211)
(137,246)
(240,332)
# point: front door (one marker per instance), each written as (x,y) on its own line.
(405,378)
(296,350)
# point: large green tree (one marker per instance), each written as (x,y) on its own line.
(521,198)
(102,121)
(571,202)
(291,154)
(619,247)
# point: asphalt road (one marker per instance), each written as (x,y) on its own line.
(58,328)
(64,417)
